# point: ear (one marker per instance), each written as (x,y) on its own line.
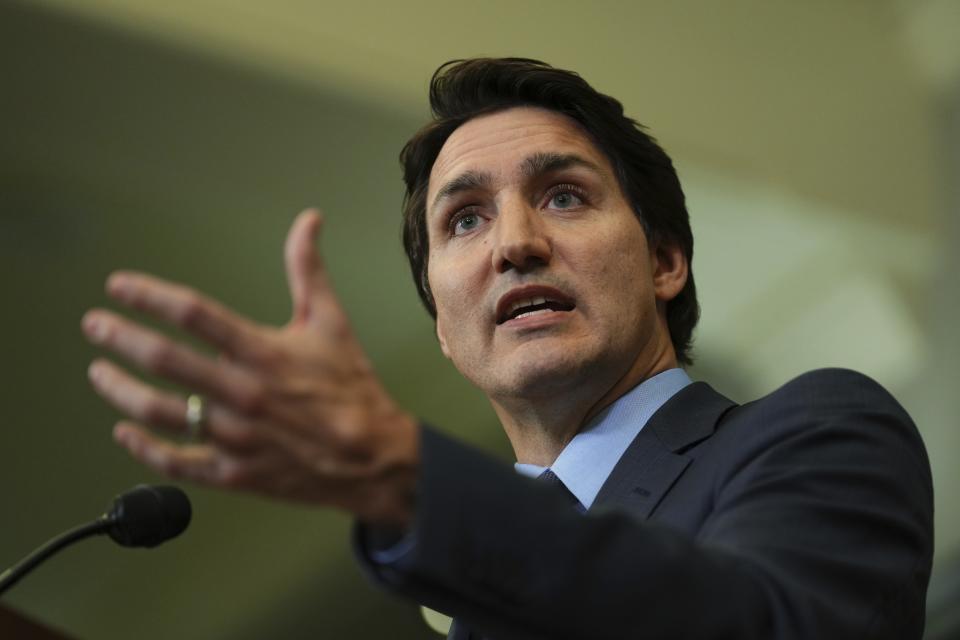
(441,339)
(670,270)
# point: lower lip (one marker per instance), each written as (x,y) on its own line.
(539,320)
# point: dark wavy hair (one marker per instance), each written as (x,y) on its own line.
(464,89)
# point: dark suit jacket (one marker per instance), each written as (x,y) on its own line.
(806,514)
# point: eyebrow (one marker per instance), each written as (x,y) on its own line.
(542,163)
(532,167)
(467,181)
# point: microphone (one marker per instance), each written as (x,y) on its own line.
(144,516)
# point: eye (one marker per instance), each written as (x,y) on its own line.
(464,222)
(565,200)
(565,196)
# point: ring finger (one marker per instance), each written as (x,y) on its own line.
(163,409)
(162,356)
(140,401)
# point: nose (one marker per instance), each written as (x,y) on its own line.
(522,239)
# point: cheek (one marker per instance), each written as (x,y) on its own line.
(613,260)
(439,277)
(447,296)
(456,278)
(456,300)
(616,271)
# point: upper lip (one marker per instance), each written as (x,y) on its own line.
(529,292)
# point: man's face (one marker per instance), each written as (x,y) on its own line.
(539,268)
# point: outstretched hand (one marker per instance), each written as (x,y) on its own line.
(294,412)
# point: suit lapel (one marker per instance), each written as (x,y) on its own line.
(655,459)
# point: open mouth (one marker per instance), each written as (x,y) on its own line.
(524,307)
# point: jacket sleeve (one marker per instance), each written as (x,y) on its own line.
(820,527)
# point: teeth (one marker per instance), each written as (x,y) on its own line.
(529,302)
(531,313)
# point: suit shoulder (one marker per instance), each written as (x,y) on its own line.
(832,391)
(831,407)
(828,401)
(836,377)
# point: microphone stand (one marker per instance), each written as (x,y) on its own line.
(13,575)
(144,516)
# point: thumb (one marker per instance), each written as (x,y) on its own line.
(306,274)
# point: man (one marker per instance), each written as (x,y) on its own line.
(548,237)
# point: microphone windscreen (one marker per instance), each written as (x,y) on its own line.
(147,515)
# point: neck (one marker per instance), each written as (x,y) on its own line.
(540,426)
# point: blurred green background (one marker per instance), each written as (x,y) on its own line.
(819,144)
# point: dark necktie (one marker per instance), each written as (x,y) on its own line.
(550,477)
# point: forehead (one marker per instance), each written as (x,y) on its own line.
(498,143)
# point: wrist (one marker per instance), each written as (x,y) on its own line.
(391,494)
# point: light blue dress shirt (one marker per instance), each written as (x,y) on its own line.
(587,461)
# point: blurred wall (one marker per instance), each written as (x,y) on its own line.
(817,143)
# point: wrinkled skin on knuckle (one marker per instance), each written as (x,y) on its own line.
(191,312)
(151,410)
(243,437)
(158,358)
(168,466)
(252,398)
(352,438)
(352,442)
(232,474)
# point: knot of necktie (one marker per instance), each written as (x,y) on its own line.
(550,477)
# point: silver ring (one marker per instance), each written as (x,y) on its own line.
(196,417)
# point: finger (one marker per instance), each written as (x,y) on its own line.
(166,410)
(136,399)
(200,463)
(310,288)
(158,354)
(185,308)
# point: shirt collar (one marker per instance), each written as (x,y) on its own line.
(587,460)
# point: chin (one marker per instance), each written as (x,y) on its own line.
(546,373)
